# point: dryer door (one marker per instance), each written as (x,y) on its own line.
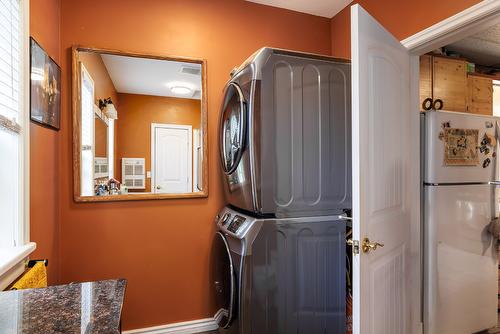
(225,280)
(233,128)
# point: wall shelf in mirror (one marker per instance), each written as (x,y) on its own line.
(139,126)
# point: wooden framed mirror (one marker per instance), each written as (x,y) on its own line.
(139,126)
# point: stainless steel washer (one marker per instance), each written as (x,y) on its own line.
(278,276)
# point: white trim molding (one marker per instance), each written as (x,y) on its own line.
(24,234)
(185,327)
(468,22)
(12,258)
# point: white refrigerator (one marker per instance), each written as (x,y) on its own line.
(460,199)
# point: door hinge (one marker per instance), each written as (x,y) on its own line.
(355,246)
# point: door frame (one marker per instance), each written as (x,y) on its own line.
(461,25)
(155,126)
(197,147)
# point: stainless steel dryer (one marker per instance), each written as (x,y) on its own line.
(280,276)
(285,134)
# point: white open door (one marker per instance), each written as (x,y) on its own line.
(385,179)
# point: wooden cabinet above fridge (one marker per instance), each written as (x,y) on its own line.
(479,94)
(444,80)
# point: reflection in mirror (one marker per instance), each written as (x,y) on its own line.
(141,125)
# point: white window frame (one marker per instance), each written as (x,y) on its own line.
(12,258)
(84,183)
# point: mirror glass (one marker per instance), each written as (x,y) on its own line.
(141,125)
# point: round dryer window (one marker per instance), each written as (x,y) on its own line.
(233,128)
(225,280)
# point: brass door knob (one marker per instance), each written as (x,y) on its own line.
(368,246)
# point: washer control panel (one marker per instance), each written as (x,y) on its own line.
(236,223)
(226,218)
(233,223)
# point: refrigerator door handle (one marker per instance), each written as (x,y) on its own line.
(495,199)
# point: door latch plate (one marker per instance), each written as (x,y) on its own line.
(355,246)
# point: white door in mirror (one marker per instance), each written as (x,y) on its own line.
(171,159)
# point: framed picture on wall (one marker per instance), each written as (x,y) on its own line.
(45,92)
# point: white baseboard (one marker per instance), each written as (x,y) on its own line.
(186,327)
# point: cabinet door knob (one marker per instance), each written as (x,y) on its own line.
(427,104)
(438,104)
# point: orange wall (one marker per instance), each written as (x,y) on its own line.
(103,85)
(44,150)
(401,18)
(100,138)
(163,247)
(136,114)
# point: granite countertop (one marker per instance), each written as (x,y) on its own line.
(91,307)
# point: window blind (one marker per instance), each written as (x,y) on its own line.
(10,127)
(10,55)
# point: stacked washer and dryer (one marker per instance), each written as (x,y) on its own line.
(285,148)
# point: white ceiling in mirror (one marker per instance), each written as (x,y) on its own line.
(145,76)
(482,48)
(324,8)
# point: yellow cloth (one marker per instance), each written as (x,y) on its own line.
(35,277)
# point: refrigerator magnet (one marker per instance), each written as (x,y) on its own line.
(484,149)
(461,147)
(446,124)
(491,139)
